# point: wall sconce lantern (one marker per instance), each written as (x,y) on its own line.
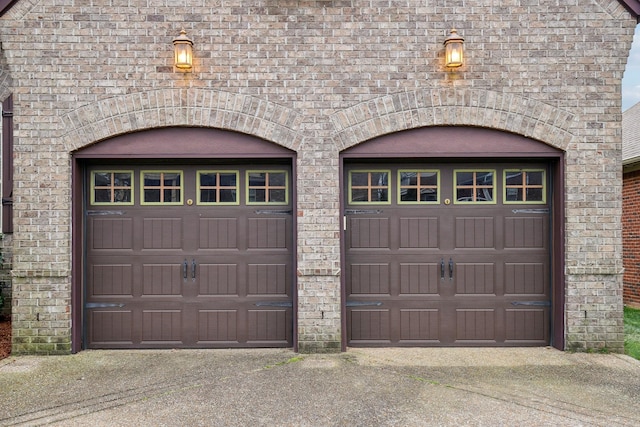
(183,51)
(454,50)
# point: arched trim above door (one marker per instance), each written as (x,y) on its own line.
(453,107)
(180,108)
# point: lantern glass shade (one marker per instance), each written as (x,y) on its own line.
(183,51)
(454,50)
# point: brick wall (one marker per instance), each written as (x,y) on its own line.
(631,237)
(317,77)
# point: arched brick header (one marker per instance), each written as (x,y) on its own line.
(452,107)
(180,107)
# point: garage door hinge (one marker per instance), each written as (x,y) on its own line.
(272,212)
(102,305)
(94,213)
(363,211)
(274,304)
(535,303)
(530,211)
(363,303)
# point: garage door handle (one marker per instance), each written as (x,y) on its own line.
(185,269)
(193,270)
(450,269)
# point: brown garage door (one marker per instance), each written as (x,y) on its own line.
(447,254)
(188,256)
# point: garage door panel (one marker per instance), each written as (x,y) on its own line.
(267,279)
(525,232)
(162,326)
(111,279)
(418,233)
(218,233)
(269,326)
(420,325)
(218,326)
(475,278)
(370,325)
(111,233)
(268,233)
(368,232)
(162,233)
(526,279)
(113,327)
(162,279)
(419,278)
(527,326)
(472,232)
(218,279)
(370,278)
(475,325)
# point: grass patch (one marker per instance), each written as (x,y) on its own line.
(285,362)
(632,332)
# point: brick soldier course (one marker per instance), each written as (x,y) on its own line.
(316,77)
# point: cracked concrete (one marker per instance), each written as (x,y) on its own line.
(362,387)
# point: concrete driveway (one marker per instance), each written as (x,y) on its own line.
(362,387)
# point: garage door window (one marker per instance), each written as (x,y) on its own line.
(369,186)
(111,188)
(474,186)
(419,186)
(267,187)
(217,187)
(524,186)
(161,187)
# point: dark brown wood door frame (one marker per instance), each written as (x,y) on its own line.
(162,146)
(467,144)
